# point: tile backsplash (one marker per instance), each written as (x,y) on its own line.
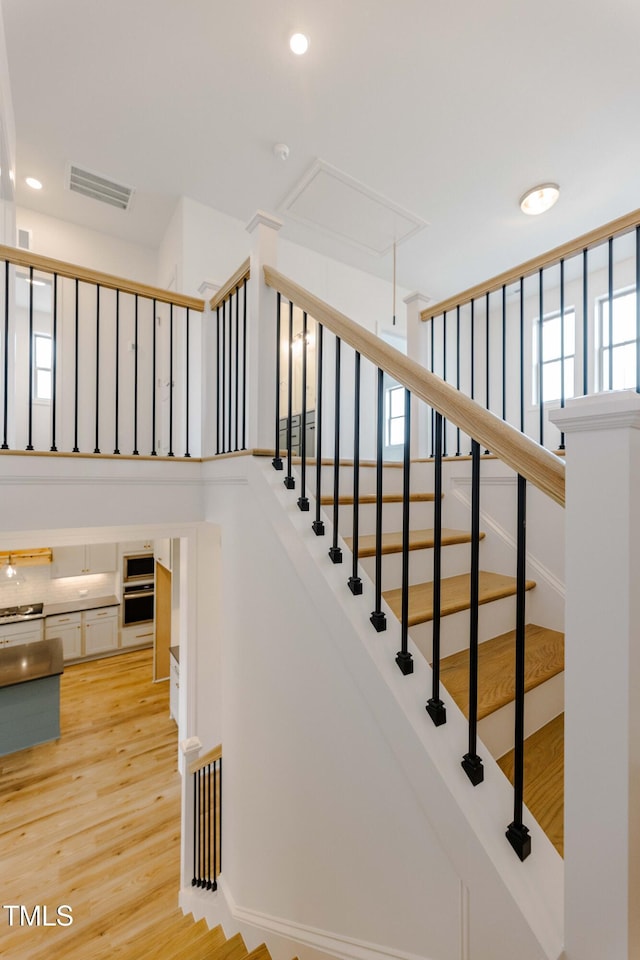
(35,586)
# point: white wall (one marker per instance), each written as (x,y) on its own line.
(7,148)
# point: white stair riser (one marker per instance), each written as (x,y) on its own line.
(455,560)
(494,619)
(541,706)
(421,517)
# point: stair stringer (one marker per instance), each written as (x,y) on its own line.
(469,823)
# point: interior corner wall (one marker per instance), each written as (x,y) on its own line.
(214,245)
(171,252)
(7,148)
(63,240)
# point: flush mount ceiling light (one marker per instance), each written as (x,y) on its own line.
(539,199)
(33,183)
(299,43)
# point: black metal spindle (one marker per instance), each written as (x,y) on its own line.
(76,448)
(610,299)
(117,383)
(433,323)
(5,378)
(540,355)
(458,371)
(214,881)
(230,313)
(30,412)
(303,500)
(237,355)
(378,617)
(54,365)
(486,333)
(277,459)
(289,480)
(473,351)
(472,763)
(404,659)
(170,453)
(435,707)
(196,830)
(244,364)
(638,309)
(223,386)
(355,582)
(135,377)
(220,812)
(186,393)
(444,374)
(517,833)
(335,552)
(318,525)
(97,447)
(218,448)
(504,351)
(154,380)
(522,354)
(562,383)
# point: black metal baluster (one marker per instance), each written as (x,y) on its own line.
(487,349)
(335,552)
(135,378)
(214,882)
(170,453)
(318,525)
(30,421)
(186,395)
(230,302)
(458,372)
(5,409)
(610,299)
(244,364)
(196,831)
(435,707)
(355,582)
(154,376)
(289,480)
(220,812)
(117,384)
(378,617)
(473,352)
(638,309)
(237,392)
(540,356)
(433,323)
(472,763)
(207,827)
(303,500)
(54,365)
(517,833)
(277,459)
(97,447)
(218,450)
(521,354)
(504,352)
(562,385)
(444,375)
(585,321)
(224,377)
(404,659)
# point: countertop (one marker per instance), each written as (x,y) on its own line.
(30,661)
(76,606)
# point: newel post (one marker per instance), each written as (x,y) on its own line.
(190,750)
(418,349)
(261,336)
(602,676)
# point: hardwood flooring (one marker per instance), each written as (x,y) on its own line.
(93,821)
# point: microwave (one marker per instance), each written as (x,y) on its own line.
(137,567)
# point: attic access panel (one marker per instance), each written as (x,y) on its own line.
(332,201)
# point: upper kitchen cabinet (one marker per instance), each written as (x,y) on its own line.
(82,560)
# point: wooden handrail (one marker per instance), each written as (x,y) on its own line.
(539,466)
(242,273)
(614,228)
(24,258)
(207,758)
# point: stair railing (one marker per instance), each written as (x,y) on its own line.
(531,462)
(230,307)
(560,325)
(92,363)
(202,815)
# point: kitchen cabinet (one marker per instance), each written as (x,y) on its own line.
(28,631)
(136,546)
(296,434)
(78,561)
(140,635)
(100,630)
(162,552)
(67,626)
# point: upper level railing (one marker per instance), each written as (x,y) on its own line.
(230,307)
(95,364)
(560,325)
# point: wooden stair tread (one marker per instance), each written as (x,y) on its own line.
(369,498)
(206,948)
(168,940)
(544,658)
(455,595)
(544,778)
(418,540)
(261,952)
(232,949)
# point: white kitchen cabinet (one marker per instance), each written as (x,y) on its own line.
(78,561)
(136,546)
(27,631)
(174,688)
(100,630)
(162,551)
(140,635)
(67,626)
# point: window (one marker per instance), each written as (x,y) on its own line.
(395,416)
(617,356)
(552,356)
(42,369)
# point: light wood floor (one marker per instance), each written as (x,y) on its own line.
(93,820)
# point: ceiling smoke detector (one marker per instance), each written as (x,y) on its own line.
(281,150)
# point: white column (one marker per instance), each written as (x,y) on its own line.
(190,751)
(418,349)
(261,335)
(602,676)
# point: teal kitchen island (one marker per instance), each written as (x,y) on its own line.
(30,694)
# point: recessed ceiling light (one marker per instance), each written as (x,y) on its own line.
(299,43)
(539,199)
(33,183)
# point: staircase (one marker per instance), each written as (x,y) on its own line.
(177,937)
(544,665)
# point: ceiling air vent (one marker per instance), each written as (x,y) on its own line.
(99,188)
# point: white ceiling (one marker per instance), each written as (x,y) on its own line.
(450,111)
